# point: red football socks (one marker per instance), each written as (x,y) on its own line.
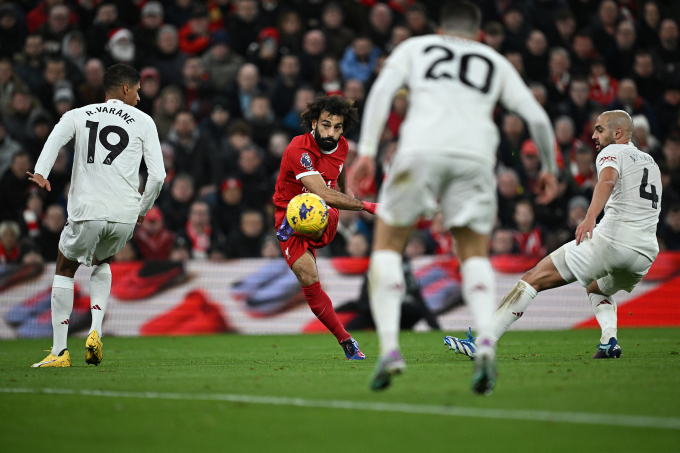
(322,307)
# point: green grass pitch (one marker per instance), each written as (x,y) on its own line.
(193,378)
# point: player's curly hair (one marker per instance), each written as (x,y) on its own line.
(335,105)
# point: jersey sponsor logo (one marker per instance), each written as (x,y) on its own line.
(604,159)
(306,161)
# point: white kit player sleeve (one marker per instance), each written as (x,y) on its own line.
(62,133)
(153,157)
(517,97)
(392,77)
(608,159)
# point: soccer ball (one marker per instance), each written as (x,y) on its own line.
(307,213)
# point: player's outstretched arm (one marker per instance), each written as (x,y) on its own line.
(603,190)
(316,185)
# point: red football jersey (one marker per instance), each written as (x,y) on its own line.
(302,158)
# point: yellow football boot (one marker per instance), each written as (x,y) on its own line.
(54,361)
(93,349)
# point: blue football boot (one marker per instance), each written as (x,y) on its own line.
(610,350)
(466,347)
(351,348)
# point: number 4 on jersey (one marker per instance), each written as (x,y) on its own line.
(104,139)
(643,190)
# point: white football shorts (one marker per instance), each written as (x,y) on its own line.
(615,267)
(417,185)
(82,241)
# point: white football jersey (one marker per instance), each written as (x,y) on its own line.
(632,211)
(110,140)
(454,85)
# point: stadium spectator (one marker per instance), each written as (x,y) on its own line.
(400,33)
(502,242)
(620,57)
(151,85)
(671,156)
(565,25)
(63,99)
(170,102)
(55,71)
(247,240)
(33,214)
(167,58)
(105,22)
(56,28)
(194,36)
(578,106)
(567,143)
(229,206)
(576,213)
(121,48)
(398,112)
(145,32)
(603,87)
(265,53)
(517,30)
(92,90)
(30,64)
(178,12)
(649,25)
(270,247)
(262,119)
(629,100)
(642,137)
(270,11)
(380,26)
(439,237)
(416,245)
(328,79)
(512,137)
(219,62)
(417,20)
(175,205)
(494,35)
(215,124)
(194,153)
(242,90)
(337,36)
(73,50)
(649,85)
(667,108)
(50,231)
(290,32)
(357,246)
(582,53)
(583,170)
(8,148)
(536,56)
(9,82)
(38,128)
(528,236)
(12,33)
(313,47)
(291,121)
(668,51)
(9,242)
(359,59)
(670,231)
(152,239)
(605,28)
(244,26)
(286,83)
(277,145)
(199,233)
(559,65)
(251,172)
(509,193)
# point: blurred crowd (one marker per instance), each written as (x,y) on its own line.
(226,81)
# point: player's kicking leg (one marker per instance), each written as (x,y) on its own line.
(62,305)
(386,288)
(305,270)
(100,288)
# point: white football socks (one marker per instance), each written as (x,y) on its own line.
(512,307)
(605,313)
(62,305)
(386,289)
(479,293)
(100,287)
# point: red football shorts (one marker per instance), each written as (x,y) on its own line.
(297,245)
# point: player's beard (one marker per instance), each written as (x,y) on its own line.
(326,143)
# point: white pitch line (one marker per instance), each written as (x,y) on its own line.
(635,421)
